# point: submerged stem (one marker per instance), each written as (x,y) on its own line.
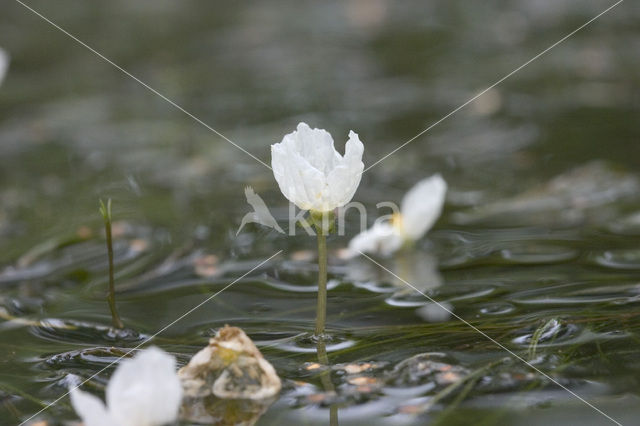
(321,313)
(111,297)
(325,378)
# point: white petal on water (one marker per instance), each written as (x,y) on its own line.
(145,390)
(382,238)
(91,409)
(422,205)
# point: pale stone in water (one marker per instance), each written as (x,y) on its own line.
(230,367)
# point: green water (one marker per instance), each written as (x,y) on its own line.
(538,240)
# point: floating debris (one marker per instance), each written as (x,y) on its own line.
(426,367)
(357,368)
(138,245)
(207,266)
(230,367)
(303,256)
(311,366)
(572,197)
(365,384)
(321,398)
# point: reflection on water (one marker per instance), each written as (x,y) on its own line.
(537,245)
(328,386)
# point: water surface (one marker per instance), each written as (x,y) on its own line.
(538,241)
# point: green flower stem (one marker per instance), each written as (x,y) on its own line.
(111,297)
(321,313)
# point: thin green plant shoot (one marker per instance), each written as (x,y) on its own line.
(111,296)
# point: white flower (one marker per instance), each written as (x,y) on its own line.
(143,391)
(382,238)
(419,210)
(312,174)
(4,64)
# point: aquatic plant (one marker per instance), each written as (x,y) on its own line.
(421,206)
(315,177)
(105,211)
(143,391)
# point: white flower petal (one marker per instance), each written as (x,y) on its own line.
(311,173)
(145,390)
(422,206)
(354,148)
(311,185)
(382,238)
(315,145)
(90,409)
(287,168)
(344,180)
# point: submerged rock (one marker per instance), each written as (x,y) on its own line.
(230,367)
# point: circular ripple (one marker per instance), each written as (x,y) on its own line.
(497,308)
(286,286)
(534,254)
(307,343)
(74,331)
(407,300)
(85,358)
(618,259)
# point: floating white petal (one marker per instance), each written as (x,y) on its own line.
(419,210)
(382,238)
(143,391)
(90,409)
(422,206)
(312,174)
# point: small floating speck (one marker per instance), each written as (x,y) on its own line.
(207,266)
(303,256)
